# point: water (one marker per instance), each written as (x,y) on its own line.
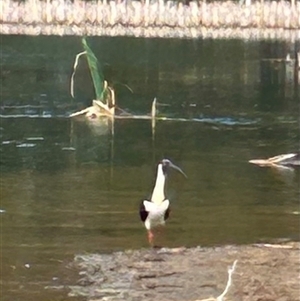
(70,187)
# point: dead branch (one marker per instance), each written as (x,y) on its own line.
(74,71)
(229,281)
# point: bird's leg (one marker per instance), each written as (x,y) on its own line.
(160,235)
(150,237)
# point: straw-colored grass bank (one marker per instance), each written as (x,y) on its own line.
(159,18)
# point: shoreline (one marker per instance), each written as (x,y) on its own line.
(152,32)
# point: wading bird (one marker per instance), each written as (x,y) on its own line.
(285,160)
(156,210)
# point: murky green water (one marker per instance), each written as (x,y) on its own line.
(69,187)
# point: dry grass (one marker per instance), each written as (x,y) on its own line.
(155,18)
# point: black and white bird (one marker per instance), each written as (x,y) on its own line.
(155,211)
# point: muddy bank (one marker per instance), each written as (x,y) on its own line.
(263,272)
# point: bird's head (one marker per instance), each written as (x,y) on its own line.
(166,164)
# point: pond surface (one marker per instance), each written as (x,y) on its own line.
(71,187)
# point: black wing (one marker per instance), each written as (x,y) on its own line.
(167,213)
(143,212)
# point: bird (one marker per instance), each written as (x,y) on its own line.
(284,160)
(156,210)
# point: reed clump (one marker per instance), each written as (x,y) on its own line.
(149,18)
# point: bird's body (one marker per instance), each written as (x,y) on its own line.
(155,211)
(154,215)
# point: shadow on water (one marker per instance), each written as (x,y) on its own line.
(69,187)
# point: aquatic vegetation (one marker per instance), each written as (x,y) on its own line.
(104,104)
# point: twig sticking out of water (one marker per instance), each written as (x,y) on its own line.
(229,281)
(74,70)
(153,115)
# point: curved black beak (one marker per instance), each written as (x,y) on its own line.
(167,162)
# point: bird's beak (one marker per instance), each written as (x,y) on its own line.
(177,168)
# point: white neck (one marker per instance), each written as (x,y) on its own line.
(158,194)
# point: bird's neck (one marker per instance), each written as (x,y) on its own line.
(158,194)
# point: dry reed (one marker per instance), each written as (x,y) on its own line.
(156,18)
